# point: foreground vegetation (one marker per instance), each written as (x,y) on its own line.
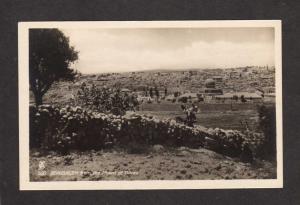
(77,128)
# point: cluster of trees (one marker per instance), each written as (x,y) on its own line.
(153,91)
(236,98)
(105,99)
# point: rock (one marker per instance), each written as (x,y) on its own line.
(195,162)
(57,161)
(149,156)
(68,160)
(218,167)
(36,154)
(188,166)
(182,148)
(108,145)
(158,148)
(183,171)
(182,154)
(73,179)
(86,174)
(98,177)
(203,170)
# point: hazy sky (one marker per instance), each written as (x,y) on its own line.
(128,49)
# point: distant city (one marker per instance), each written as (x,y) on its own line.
(255,83)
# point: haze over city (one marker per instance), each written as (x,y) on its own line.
(129,49)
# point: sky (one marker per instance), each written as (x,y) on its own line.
(138,49)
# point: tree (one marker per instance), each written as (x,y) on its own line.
(106,100)
(166,91)
(151,92)
(243,99)
(235,97)
(156,92)
(50,57)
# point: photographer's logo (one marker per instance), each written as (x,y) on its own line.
(41,168)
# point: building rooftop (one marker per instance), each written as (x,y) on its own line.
(210,83)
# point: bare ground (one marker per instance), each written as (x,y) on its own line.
(157,164)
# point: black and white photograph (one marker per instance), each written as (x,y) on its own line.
(150,105)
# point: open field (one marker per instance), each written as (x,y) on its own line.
(222,116)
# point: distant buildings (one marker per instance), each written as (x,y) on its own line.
(210,89)
(208,85)
(217,79)
(239,96)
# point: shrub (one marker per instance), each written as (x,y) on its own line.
(65,128)
(267,124)
(105,99)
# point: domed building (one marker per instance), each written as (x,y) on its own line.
(210,89)
(210,83)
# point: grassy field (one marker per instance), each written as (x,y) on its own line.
(210,115)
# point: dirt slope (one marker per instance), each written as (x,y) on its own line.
(158,164)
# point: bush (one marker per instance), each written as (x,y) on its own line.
(267,124)
(68,128)
(183,100)
(105,99)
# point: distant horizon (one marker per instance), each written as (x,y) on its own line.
(136,49)
(178,69)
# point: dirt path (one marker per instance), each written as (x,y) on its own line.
(159,164)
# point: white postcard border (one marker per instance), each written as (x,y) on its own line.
(23,71)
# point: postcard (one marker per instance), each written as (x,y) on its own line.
(131,105)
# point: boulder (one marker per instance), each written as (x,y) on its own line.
(158,148)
